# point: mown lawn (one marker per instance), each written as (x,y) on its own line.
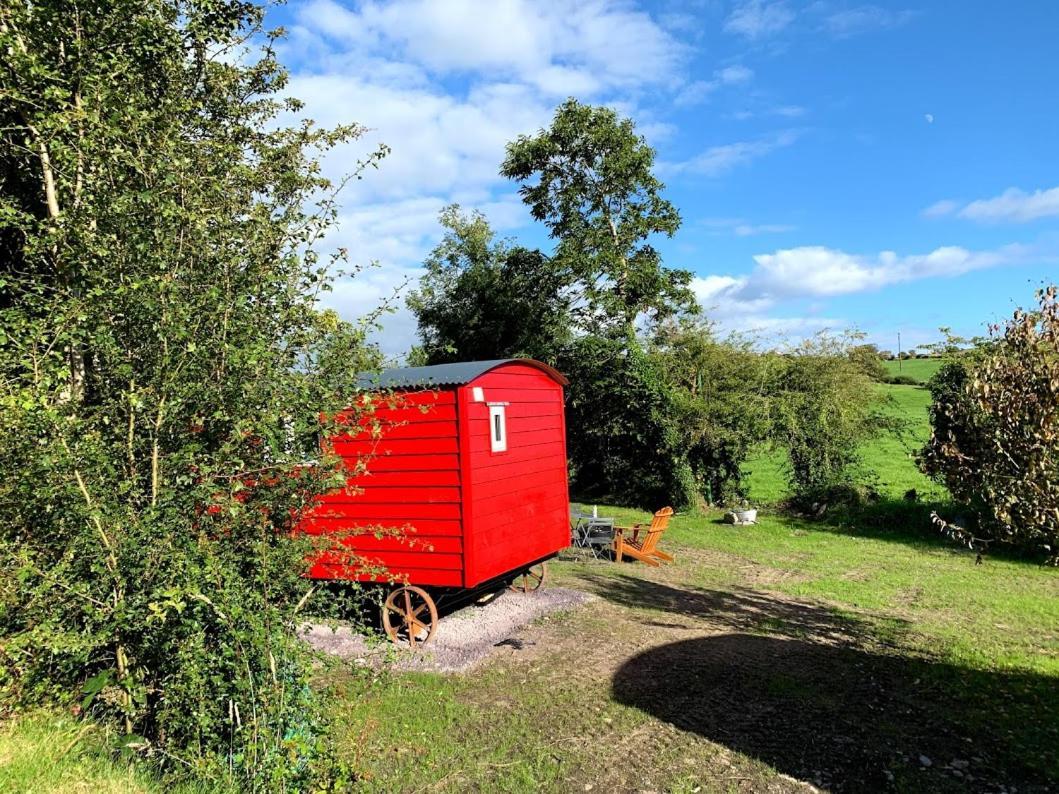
(874,649)
(922,369)
(765,655)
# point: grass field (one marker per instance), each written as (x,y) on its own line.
(922,369)
(886,462)
(851,658)
(784,649)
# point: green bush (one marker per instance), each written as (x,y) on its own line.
(622,418)
(164,366)
(823,408)
(995,431)
(901,380)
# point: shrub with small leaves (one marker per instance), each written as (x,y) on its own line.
(995,429)
(163,368)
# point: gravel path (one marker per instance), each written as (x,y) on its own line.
(463,638)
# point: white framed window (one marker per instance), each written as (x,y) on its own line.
(497,428)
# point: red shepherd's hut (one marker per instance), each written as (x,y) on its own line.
(472,457)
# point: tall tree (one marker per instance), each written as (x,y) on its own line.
(589,178)
(485,298)
(161,353)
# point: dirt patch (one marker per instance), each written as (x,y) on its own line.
(463,639)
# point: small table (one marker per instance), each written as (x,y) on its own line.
(592,532)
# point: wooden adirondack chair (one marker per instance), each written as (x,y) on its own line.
(642,544)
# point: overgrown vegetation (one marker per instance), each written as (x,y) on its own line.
(995,440)
(163,369)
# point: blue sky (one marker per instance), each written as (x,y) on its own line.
(885,166)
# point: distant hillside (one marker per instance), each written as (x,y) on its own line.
(919,368)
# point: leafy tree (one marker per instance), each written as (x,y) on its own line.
(722,390)
(588,178)
(161,356)
(484,298)
(995,429)
(623,434)
(823,408)
(869,360)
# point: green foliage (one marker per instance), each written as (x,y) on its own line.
(672,421)
(588,178)
(901,380)
(163,367)
(481,298)
(920,369)
(721,388)
(868,360)
(622,419)
(995,439)
(823,410)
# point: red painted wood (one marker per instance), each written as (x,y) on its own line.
(413,494)
(430,577)
(402,560)
(394,514)
(382,479)
(548,439)
(519,506)
(316,525)
(518,467)
(404,446)
(397,463)
(412,543)
(478,514)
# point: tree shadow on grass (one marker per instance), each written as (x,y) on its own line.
(745,609)
(835,699)
(910,523)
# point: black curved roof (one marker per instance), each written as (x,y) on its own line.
(456,374)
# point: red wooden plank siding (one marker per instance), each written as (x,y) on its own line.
(516,505)
(412,484)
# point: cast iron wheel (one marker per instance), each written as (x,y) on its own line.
(410,614)
(530,579)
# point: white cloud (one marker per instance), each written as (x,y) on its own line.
(446,84)
(720,297)
(756,19)
(864,19)
(929,117)
(795,275)
(718,160)
(940,209)
(751,230)
(699,90)
(783,111)
(820,272)
(1011,206)
(733,75)
(560,47)
(742,228)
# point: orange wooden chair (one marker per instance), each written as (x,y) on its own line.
(643,547)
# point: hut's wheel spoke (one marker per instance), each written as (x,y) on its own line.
(529,580)
(402,616)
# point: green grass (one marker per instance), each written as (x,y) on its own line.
(922,369)
(979,639)
(982,614)
(49,752)
(887,462)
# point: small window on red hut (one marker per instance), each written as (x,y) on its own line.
(497,428)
